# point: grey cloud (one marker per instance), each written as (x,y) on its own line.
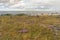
(34,4)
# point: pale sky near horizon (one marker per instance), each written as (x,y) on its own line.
(32,5)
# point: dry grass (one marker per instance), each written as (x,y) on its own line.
(37,26)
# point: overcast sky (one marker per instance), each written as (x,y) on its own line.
(48,5)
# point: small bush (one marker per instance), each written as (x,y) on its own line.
(20,14)
(6,14)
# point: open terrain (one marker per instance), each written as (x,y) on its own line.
(30,27)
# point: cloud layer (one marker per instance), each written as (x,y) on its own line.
(32,5)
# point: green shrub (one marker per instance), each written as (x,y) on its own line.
(6,14)
(20,14)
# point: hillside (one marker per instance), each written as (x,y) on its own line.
(29,27)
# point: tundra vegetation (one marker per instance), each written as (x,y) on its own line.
(24,27)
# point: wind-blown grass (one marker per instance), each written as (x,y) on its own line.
(34,27)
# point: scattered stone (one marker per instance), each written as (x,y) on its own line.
(57,28)
(0,33)
(23,30)
(51,26)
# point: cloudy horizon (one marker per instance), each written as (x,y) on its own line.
(25,5)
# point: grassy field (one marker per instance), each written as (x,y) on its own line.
(30,27)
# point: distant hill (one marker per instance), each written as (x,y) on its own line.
(27,12)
